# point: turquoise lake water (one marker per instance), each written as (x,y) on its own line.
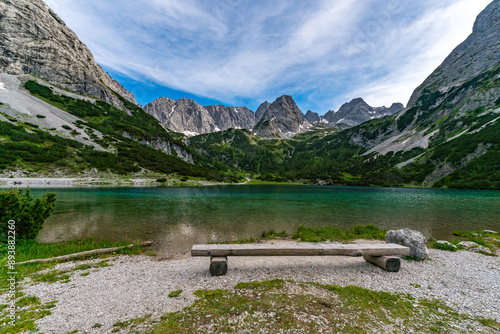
(178,217)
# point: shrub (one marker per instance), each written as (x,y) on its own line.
(29,213)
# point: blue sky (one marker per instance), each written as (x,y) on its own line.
(239,52)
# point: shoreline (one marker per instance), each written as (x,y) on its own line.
(96,182)
(135,286)
(73,182)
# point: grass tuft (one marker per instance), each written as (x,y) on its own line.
(174,294)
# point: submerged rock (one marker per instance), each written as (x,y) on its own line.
(409,238)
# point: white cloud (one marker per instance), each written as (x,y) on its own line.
(425,44)
(323,52)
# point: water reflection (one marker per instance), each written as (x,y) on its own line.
(175,218)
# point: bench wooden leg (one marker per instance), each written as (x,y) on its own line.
(218,265)
(389,263)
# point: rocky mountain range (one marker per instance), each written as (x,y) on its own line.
(190,118)
(34,40)
(358,111)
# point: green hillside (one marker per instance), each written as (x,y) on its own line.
(124,136)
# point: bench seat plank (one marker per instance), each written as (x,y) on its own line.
(299,249)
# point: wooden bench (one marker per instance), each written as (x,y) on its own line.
(382,255)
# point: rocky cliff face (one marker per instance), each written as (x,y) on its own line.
(312,117)
(283,119)
(188,117)
(184,116)
(232,117)
(477,54)
(358,111)
(261,110)
(34,40)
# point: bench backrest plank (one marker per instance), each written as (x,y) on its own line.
(299,249)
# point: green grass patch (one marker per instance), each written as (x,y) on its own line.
(486,239)
(308,234)
(29,309)
(446,247)
(271,234)
(492,323)
(131,324)
(31,249)
(52,276)
(279,306)
(174,294)
(28,301)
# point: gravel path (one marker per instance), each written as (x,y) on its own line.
(138,285)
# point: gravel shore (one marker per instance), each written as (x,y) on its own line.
(138,285)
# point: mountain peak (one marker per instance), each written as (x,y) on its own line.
(475,55)
(283,119)
(312,117)
(64,62)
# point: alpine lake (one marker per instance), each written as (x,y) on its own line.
(175,218)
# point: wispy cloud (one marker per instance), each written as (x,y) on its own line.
(322,52)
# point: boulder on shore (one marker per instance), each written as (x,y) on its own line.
(409,238)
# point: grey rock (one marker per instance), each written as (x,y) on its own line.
(283,119)
(261,110)
(490,231)
(34,40)
(358,111)
(184,115)
(409,238)
(312,117)
(471,246)
(232,117)
(188,117)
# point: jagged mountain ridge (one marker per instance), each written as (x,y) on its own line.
(358,111)
(34,40)
(188,117)
(183,115)
(231,117)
